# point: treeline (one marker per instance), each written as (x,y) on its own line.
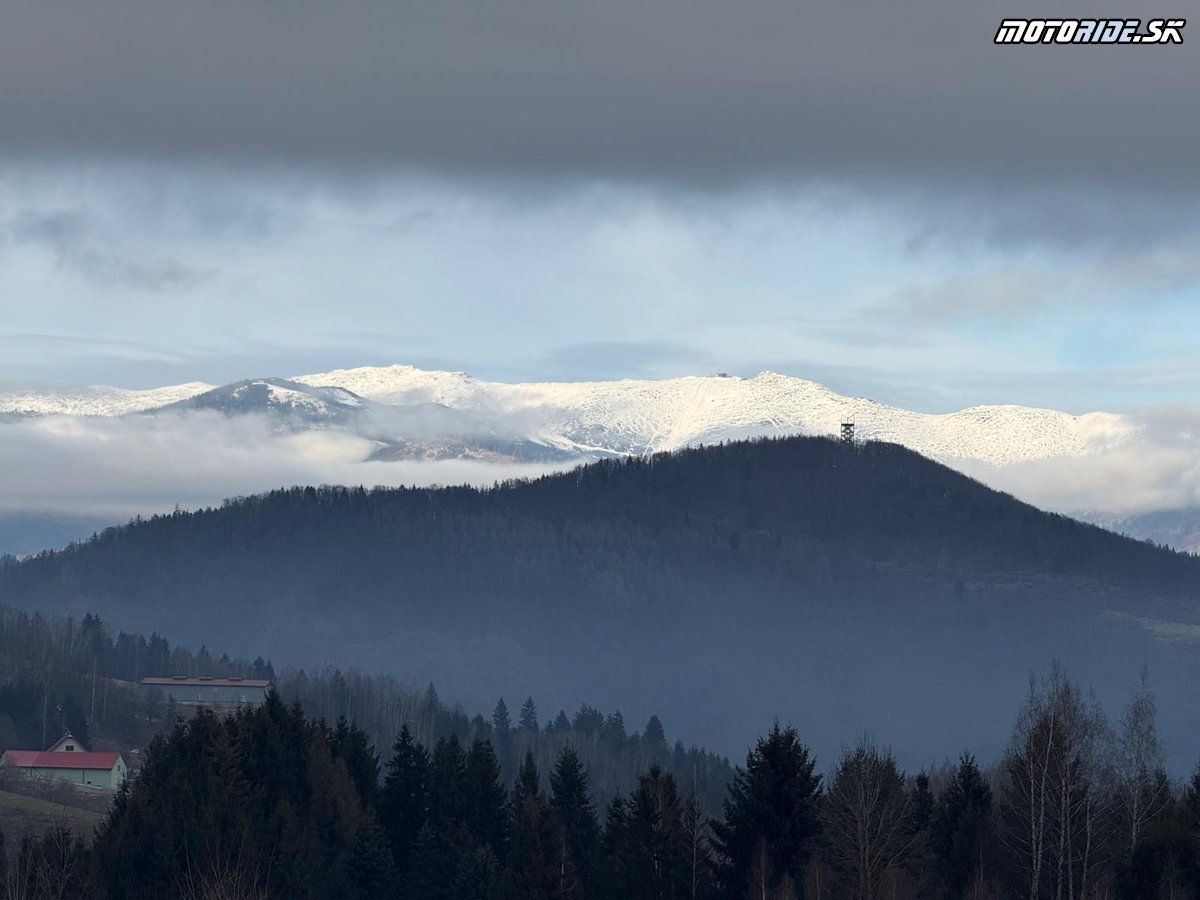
(614,755)
(59,673)
(268,804)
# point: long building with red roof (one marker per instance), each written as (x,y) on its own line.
(209,691)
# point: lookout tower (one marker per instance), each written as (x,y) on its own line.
(847,432)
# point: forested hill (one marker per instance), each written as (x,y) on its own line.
(774,506)
(711,579)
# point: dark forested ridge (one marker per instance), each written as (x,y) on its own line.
(267,804)
(836,586)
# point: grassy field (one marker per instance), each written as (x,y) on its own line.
(23,814)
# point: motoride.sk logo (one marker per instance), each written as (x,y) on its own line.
(1090,31)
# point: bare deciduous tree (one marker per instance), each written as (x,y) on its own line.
(1142,789)
(1057,810)
(867,819)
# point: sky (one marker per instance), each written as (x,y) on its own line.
(873,196)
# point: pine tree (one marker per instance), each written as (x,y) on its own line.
(578,830)
(404,800)
(614,845)
(532,872)
(502,732)
(485,799)
(501,721)
(527,783)
(922,805)
(654,735)
(770,815)
(351,745)
(613,729)
(654,839)
(447,779)
(529,714)
(959,830)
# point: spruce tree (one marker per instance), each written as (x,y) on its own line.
(614,845)
(447,779)
(654,735)
(532,872)
(404,800)
(578,830)
(560,725)
(351,745)
(960,828)
(485,799)
(501,721)
(529,714)
(502,735)
(528,781)
(771,815)
(654,839)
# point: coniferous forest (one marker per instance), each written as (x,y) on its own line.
(348,785)
(268,803)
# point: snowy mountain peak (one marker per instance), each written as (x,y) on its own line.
(294,401)
(587,418)
(640,415)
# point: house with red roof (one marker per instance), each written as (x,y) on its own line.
(68,760)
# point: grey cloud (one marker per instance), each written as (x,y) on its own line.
(1002,294)
(1073,214)
(699,90)
(78,246)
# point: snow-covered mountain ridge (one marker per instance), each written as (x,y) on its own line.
(97,400)
(640,416)
(613,417)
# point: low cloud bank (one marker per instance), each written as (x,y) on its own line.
(145,464)
(1157,469)
(117,468)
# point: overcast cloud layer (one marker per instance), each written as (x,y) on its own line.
(688,90)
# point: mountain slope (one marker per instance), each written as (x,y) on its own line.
(711,582)
(1178,528)
(97,400)
(296,403)
(586,419)
(646,416)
